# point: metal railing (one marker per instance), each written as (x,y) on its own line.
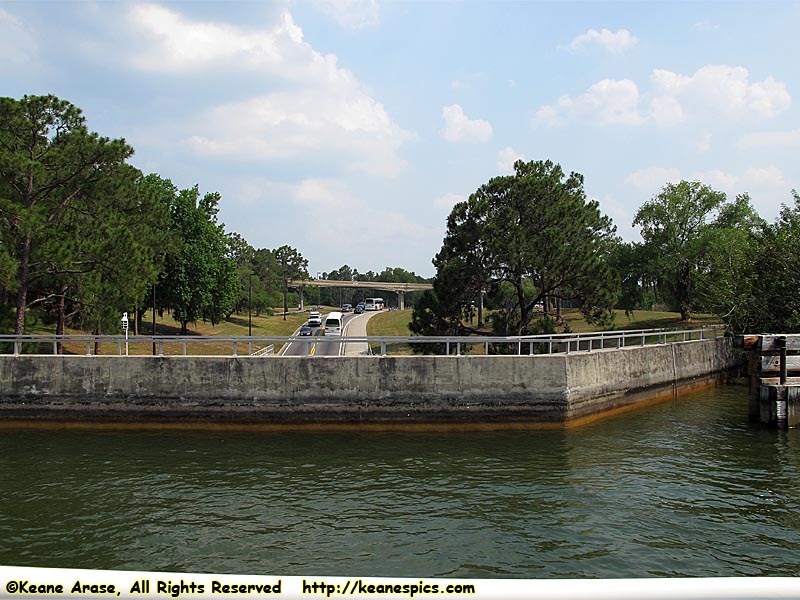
(265,351)
(258,345)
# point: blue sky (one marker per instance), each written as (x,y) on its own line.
(348,129)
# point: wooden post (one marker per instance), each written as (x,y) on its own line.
(781,343)
(753,370)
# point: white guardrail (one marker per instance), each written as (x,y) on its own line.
(265,345)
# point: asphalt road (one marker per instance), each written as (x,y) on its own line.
(328,345)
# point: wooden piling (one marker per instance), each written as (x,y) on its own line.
(774,369)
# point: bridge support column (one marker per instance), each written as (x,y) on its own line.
(401,300)
(301,298)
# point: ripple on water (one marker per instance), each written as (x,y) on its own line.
(685,488)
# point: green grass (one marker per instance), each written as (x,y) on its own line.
(386,323)
(390,323)
(640,319)
(236,325)
(393,322)
(396,322)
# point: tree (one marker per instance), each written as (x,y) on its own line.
(638,290)
(47,159)
(199,280)
(291,265)
(692,236)
(535,235)
(104,257)
(724,282)
(266,269)
(763,296)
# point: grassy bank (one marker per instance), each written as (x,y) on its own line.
(236,325)
(387,323)
(396,322)
(640,319)
(393,322)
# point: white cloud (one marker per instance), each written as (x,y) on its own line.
(722,91)
(175,44)
(459,128)
(706,26)
(320,204)
(613,41)
(703,141)
(754,178)
(448,201)
(321,193)
(717,179)
(652,179)
(607,102)
(307,194)
(469,81)
(178,44)
(666,111)
(353,14)
(17,42)
(770,139)
(350,125)
(506,159)
(327,112)
(712,93)
(770,176)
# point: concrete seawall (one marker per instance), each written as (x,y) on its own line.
(544,390)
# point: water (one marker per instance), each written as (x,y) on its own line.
(686,488)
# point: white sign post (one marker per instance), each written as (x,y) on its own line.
(125,329)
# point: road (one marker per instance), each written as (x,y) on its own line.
(330,345)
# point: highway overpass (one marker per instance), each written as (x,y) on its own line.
(401,289)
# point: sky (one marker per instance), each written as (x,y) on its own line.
(348,129)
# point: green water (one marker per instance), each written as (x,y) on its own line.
(686,488)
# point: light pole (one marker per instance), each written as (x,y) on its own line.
(154,318)
(250,308)
(124,324)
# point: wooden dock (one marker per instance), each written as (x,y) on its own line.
(774,368)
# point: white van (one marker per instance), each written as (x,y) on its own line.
(333,324)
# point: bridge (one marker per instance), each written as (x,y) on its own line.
(399,288)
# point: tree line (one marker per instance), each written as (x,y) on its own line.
(84,235)
(530,244)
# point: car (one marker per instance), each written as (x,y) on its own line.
(306,330)
(314,319)
(359,309)
(347,308)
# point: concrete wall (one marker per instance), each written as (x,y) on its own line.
(547,389)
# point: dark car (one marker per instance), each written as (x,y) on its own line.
(359,309)
(306,330)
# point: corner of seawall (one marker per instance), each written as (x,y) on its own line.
(605,383)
